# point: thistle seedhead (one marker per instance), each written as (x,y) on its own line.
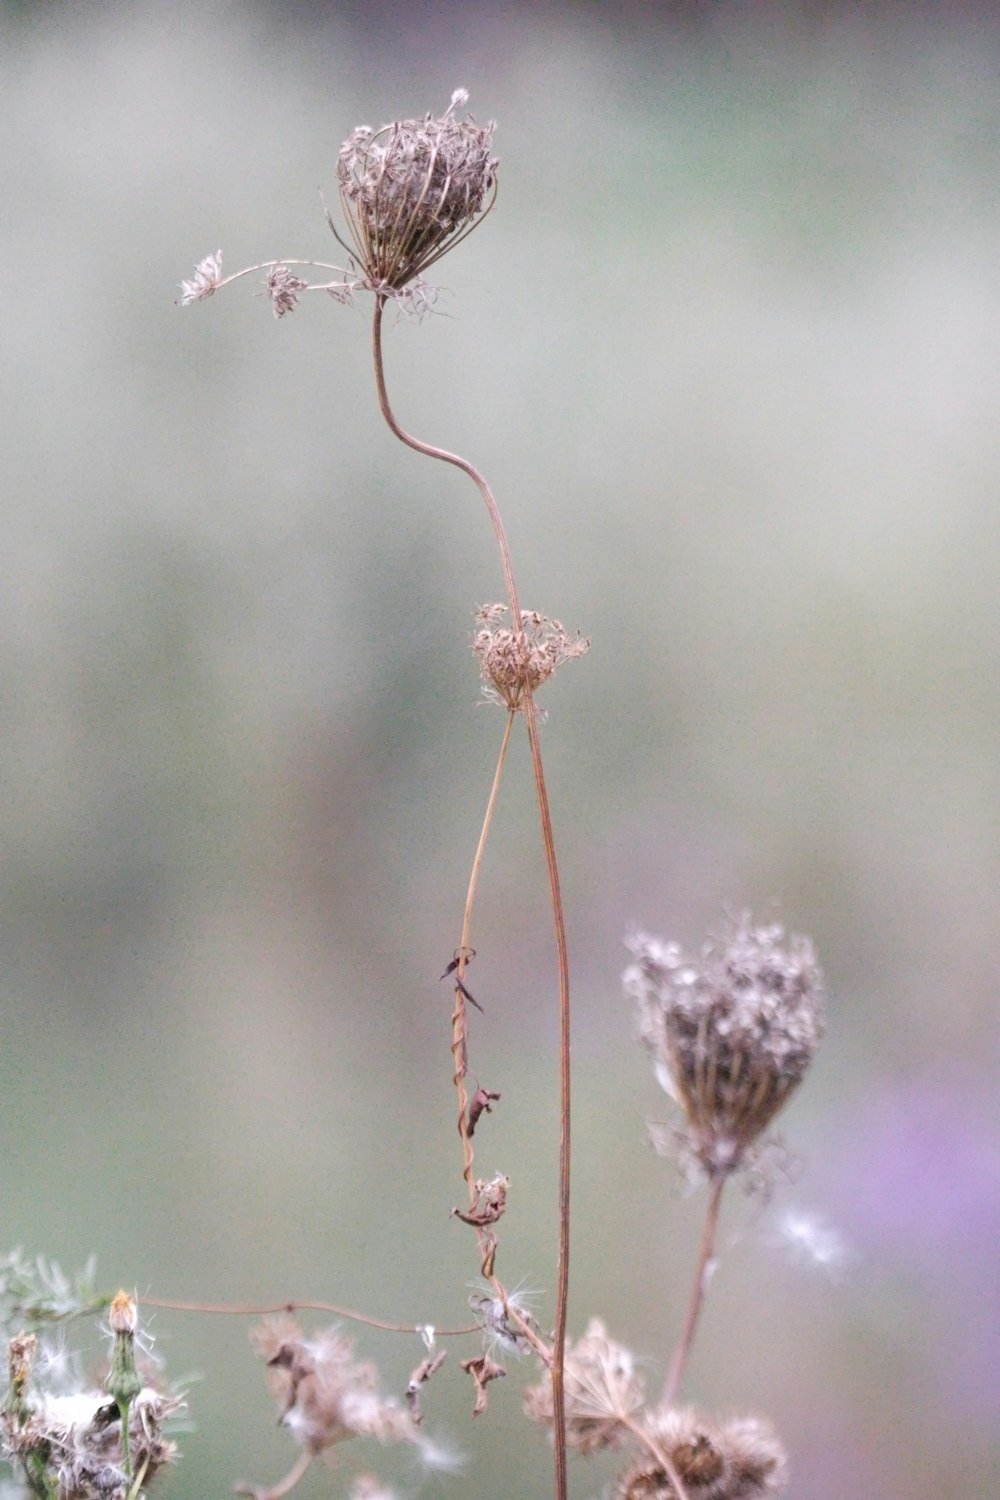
(603,1391)
(731,1033)
(413,189)
(739,1459)
(326,1395)
(513,662)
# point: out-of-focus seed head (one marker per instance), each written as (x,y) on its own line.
(603,1391)
(413,189)
(513,662)
(738,1459)
(731,1033)
(326,1395)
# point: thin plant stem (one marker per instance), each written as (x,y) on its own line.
(558,919)
(660,1454)
(699,1287)
(256,1310)
(284,1486)
(459,1019)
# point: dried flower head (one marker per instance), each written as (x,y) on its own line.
(603,1392)
(324,1393)
(207,279)
(283,288)
(739,1459)
(731,1033)
(513,662)
(413,189)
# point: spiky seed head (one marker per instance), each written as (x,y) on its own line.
(413,189)
(731,1032)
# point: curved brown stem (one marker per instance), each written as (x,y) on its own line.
(558,919)
(430,451)
(699,1287)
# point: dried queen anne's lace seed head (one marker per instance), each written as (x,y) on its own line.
(739,1459)
(731,1033)
(515,661)
(602,1392)
(413,189)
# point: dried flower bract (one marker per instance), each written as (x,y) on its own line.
(731,1033)
(413,189)
(514,662)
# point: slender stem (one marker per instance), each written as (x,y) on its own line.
(291,1479)
(459,1019)
(699,1287)
(660,1454)
(562,1275)
(254,1310)
(430,451)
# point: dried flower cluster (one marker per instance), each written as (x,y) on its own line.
(514,662)
(207,279)
(82,1444)
(604,1392)
(738,1459)
(731,1033)
(324,1393)
(412,189)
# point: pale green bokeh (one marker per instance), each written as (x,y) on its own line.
(727,350)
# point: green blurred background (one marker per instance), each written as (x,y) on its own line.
(727,350)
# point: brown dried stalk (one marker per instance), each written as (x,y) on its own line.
(558,919)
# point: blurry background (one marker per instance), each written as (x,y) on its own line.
(727,350)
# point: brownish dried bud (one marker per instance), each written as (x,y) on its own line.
(413,189)
(420,1376)
(513,662)
(739,1459)
(603,1392)
(731,1033)
(483,1370)
(481,1104)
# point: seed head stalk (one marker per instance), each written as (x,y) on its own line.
(699,1286)
(558,919)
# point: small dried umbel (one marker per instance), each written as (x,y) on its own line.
(603,1392)
(514,662)
(739,1459)
(731,1033)
(413,189)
